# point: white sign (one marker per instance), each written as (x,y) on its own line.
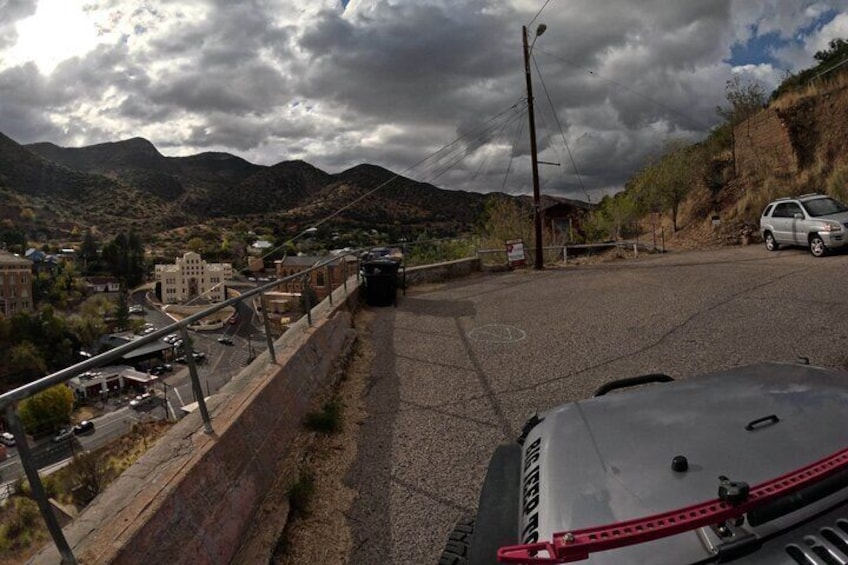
(515,252)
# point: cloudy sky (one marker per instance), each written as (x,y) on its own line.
(397,82)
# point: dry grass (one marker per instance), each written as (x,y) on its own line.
(815,89)
(117,456)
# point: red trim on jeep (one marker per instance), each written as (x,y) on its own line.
(578,544)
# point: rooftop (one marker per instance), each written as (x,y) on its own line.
(7,258)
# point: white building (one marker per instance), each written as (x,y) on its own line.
(191,277)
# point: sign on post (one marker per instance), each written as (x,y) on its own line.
(515,253)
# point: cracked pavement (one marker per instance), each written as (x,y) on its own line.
(442,397)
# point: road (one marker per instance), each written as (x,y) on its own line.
(222,363)
(459,367)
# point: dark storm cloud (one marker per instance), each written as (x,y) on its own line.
(410,62)
(391,82)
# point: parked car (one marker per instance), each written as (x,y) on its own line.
(161,369)
(141,400)
(63,434)
(7,439)
(815,221)
(84,427)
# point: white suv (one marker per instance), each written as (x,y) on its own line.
(815,221)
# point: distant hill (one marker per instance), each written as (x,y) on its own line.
(114,186)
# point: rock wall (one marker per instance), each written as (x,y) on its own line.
(764,146)
(191,497)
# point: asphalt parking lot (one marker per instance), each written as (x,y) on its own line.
(460,366)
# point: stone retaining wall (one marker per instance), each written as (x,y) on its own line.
(191,498)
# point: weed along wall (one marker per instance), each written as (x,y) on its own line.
(191,498)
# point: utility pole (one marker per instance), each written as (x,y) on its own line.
(534,157)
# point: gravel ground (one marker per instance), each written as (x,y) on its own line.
(457,368)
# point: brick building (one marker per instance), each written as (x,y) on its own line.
(322,280)
(15,284)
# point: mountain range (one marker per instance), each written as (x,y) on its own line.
(56,192)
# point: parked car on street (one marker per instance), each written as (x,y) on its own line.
(63,434)
(7,439)
(815,221)
(141,400)
(84,427)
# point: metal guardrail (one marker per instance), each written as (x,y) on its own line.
(9,399)
(562,250)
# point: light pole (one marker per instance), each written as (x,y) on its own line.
(534,157)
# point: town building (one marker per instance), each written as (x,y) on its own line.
(15,284)
(102,284)
(192,277)
(42,262)
(104,381)
(322,280)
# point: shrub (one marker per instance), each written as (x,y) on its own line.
(300,494)
(326,421)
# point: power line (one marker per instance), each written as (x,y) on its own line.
(539,12)
(443,151)
(518,131)
(562,133)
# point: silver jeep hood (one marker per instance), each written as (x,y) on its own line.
(608,459)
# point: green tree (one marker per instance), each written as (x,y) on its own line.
(26,363)
(122,310)
(196,244)
(612,216)
(744,99)
(91,472)
(124,258)
(836,52)
(88,253)
(664,183)
(504,219)
(47,410)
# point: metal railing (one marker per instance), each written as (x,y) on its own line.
(9,400)
(561,252)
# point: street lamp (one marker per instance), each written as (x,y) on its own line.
(534,157)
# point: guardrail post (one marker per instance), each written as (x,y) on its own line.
(328,282)
(267,323)
(37,487)
(195,382)
(307,300)
(344,274)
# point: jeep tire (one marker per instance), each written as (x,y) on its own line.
(459,543)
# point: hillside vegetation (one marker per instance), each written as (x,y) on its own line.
(712,192)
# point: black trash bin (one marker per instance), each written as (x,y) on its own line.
(380,281)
